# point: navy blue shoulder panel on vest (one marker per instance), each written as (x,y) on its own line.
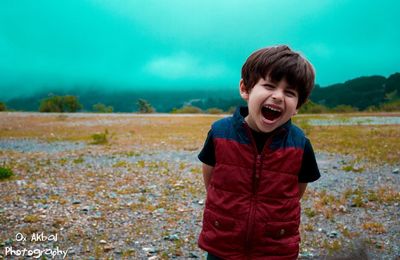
(230,129)
(293,137)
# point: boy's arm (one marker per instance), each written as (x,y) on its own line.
(302,188)
(207,172)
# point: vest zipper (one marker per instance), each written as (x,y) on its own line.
(255,183)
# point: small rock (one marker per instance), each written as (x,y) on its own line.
(201,202)
(21,182)
(159,211)
(153,258)
(395,171)
(193,255)
(103,242)
(306,255)
(173,237)
(333,234)
(150,250)
(342,208)
(75,202)
(108,248)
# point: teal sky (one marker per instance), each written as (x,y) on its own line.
(160,44)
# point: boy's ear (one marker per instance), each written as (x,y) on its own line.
(243,91)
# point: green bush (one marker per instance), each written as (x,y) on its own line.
(391,106)
(344,109)
(187,110)
(101,108)
(144,106)
(60,104)
(5,173)
(100,138)
(372,109)
(3,106)
(231,110)
(214,111)
(312,108)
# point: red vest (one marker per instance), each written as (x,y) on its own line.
(253,205)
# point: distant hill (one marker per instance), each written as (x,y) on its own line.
(360,92)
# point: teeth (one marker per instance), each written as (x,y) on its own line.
(273,109)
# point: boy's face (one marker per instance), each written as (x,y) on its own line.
(271,104)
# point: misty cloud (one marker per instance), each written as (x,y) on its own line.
(121,44)
(185,66)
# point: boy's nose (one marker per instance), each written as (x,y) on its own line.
(277,96)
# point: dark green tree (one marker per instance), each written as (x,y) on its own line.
(101,108)
(60,104)
(3,106)
(144,106)
(71,104)
(187,110)
(393,84)
(312,108)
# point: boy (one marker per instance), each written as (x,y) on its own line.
(256,164)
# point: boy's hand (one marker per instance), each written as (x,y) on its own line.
(207,172)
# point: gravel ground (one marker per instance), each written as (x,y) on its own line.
(101,204)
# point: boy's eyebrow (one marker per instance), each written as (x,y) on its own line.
(269,81)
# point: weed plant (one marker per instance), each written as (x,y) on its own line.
(5,173)
(100,138)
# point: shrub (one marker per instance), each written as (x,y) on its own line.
(100,138)
(391,106)
(371,109)
(71,103)
(214,111)
(344,109)
(312,108)
(101,108)
(60,104)
(187,110)
(5,173)
(144,106)
(231,110)
(3,106)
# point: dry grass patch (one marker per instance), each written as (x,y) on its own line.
(376,144)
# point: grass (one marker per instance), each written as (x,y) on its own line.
(376,144)
(179,184)
(5,173)
(100,138)
(374,227)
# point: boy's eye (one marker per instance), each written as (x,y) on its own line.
(268,86)
(291,93)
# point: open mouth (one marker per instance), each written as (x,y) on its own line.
(271,113)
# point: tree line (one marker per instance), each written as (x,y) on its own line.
(71,104)
(373,93)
